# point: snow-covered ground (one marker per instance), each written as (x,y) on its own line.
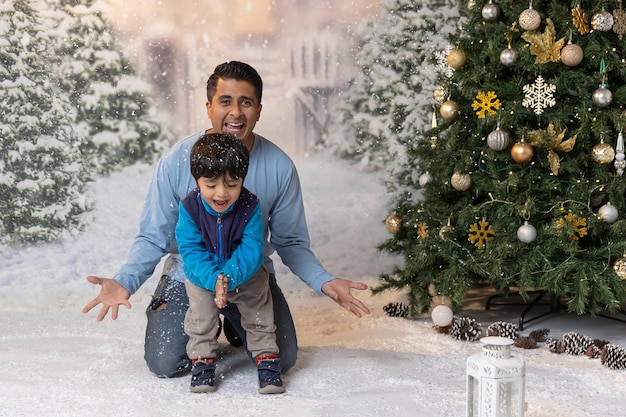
(55,361)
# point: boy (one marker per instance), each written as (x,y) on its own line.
(220,239)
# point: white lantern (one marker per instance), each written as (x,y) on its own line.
(495,381)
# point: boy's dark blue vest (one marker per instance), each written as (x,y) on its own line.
(233,222)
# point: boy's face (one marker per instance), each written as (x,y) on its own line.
(220,192)
(234,109)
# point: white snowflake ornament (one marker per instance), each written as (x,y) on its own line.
(539,96)
(441,63)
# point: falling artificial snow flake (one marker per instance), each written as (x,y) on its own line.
(539,95)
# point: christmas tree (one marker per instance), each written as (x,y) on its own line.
(112,113)
(383,106)
(524,166)
(42,175)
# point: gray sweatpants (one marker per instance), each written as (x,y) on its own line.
(254,301)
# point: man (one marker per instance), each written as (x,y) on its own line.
(234,93)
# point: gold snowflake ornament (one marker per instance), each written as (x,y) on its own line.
(486,103)
(574,225)
(580,20)
(480,233)
(422,230)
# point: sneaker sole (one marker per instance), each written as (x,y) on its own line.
(203,389)
(272,389)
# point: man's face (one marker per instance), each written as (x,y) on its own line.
(234,109)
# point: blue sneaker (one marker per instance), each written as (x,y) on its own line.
(270,382)
(203,375)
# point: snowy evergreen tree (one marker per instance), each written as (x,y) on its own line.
(527,185)
(111,104)
(386,105)
(42,179)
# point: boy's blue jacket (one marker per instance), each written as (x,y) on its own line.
(272,177)
(211,243)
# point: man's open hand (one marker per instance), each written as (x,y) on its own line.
(111,296)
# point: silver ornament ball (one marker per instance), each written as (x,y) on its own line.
(508,57)
(527,233)
(602,21)
(498,140)
(491,12)
(602,97)
(424,179)
(608,213)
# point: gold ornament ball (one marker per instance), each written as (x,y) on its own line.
(603,153)
(620,267)
(530,19)
(457,59)
(393,223)
(449,110)
(461,182)
(522,152)
(444,230)
(571,55)
(439,94)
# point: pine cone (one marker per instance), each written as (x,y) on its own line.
(526,342)
(539,335)
(600,343)
(593,351)
(555,346)
(576,343)
(398,309)
(465,328)
(503,329)
(613,356)
(443,329)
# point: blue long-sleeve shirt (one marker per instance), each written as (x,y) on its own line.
(272,177)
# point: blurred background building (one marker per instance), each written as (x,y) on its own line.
(303,49)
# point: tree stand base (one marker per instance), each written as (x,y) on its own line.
(554,306)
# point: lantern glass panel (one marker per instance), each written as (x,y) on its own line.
(473,395)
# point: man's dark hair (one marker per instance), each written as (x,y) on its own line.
(234,70)
(217,153)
